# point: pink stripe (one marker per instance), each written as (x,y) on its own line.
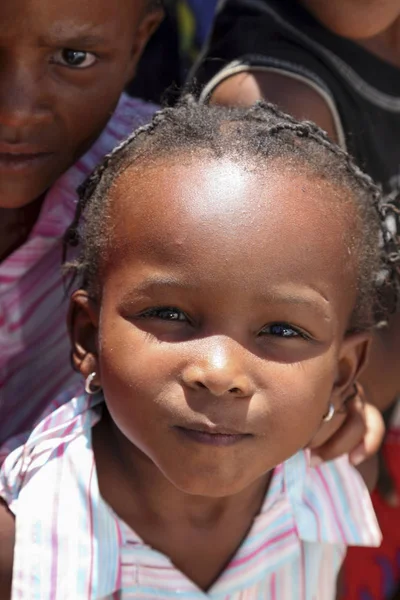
(54,536)
(25,358)
(316,519)
(118,583)
(50,264)
(80,167)
(116,133)
(28,314)
(333,507)
(91,529)
(273,587)
(274,540)
(27,423)
(8,278)
(20,257)
(303,573)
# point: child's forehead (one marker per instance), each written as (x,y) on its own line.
(174,204)
(53,16)
(226,187)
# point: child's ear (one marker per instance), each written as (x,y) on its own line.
(82,323)
(353,357)
(148,25)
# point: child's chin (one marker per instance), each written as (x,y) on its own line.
(208,486)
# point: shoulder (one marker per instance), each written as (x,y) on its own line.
(296,95)
(7,539)
(135,109)
(27,460)
(129,114)
(331,503)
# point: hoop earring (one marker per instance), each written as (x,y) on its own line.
(330,414)
(88,385)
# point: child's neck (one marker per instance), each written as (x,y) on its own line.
(198,534)
(16,225)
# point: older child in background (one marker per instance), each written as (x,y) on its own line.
(63,68)
(229,272)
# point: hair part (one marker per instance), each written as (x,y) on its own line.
(259,135)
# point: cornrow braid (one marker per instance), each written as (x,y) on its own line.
(261,135)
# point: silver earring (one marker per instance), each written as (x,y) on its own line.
(330,414)
(88,385)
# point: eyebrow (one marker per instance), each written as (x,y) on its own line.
(317,302)
(153,282)
(89,41)
(63,33)
(86,41)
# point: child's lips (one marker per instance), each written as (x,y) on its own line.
(22,155)
(212,435)
(23,161)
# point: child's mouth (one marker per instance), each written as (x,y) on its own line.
(23,161)
(212,438)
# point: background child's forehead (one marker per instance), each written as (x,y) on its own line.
(41,13)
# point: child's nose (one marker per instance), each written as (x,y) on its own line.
(22,98)
(219,367)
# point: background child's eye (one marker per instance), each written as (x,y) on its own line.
(164,313)
(76,59)
(281,330)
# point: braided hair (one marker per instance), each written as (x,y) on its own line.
(259,135)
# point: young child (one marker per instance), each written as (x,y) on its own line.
(63,67)
(226,297)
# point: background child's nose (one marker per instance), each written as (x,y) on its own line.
(22,96)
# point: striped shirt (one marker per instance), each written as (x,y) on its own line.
(34,347)
(70,543)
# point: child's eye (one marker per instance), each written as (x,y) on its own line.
(282,330)
(75,59)
(164,313)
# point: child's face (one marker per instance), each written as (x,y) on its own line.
(63,66)
(221,328)
(355,19)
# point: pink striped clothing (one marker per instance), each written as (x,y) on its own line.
(70,544)
(34,346)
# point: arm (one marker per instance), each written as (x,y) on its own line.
(7,538)
(290,95)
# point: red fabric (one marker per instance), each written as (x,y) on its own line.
(374,573)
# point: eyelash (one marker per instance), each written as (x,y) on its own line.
(297,333)
(156,313)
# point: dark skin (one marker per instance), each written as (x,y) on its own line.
(376,26)
(63,66)
(185,338)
